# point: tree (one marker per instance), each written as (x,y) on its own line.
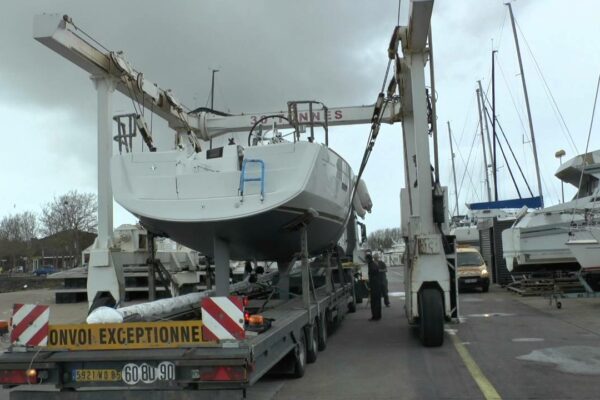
(73,212)
(16,232)
(384,238)
(19,227)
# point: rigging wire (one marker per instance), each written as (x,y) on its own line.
(502,29)
(467,167)
(509,147)
(555,108)
(467,118)
(512,98)
(457,144)
(506,160)
(587,144)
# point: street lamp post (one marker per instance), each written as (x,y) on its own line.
(212,96)
(560,154)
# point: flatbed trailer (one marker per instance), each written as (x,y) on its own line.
(222,368)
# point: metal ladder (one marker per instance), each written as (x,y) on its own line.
(261,178)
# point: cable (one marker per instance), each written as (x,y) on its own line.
(464,128)
(209,110)
(467,167)
(583,159)
(556,109)
(509,168)
(510,148)
(68,19)
(587,144)
(512,98)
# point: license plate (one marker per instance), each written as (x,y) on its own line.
(470,280)
(96,375)
(132,374)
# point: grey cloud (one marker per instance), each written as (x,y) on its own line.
(272,51)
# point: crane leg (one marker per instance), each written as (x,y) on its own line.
(106,284)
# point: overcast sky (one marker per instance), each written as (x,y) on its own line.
(269,52)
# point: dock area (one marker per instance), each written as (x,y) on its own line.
(506,346)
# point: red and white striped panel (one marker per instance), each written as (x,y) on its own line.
(223,318)
(29,325)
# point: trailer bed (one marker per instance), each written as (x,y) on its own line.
(162,372)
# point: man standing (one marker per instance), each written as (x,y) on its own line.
(375,285)
(383,279)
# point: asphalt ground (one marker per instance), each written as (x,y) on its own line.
(506,346)
(480,358)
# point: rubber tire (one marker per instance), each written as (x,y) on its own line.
(312,350)
(322,339)
(485,288)
(300,356)
(330,323)
(352,305)
(431,311)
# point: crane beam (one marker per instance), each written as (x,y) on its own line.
(62,35)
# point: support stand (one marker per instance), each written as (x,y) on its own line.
(284,279)
(305,270)
(328,281)
(151,268)
(221,259)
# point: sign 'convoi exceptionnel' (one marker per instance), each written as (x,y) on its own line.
(135,335)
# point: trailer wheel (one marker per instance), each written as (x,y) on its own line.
(312,348)
(431,311)
(300,356)
(322,332)
(330,323)
(352,304)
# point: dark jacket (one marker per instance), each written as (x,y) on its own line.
(373,268)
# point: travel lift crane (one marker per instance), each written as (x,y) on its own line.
(428,292)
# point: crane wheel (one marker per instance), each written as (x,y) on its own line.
(431,311)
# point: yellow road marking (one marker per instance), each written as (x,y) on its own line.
(486,387)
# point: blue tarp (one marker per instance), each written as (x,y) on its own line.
(530,202)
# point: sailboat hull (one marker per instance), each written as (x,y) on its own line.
(194,200)
(261,237)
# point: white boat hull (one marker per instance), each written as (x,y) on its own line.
(584,243)
(538,240)
(193,200)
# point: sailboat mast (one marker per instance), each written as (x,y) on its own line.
(453,168)
(494,166)
(485,169)
(485,120)
(535,156)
